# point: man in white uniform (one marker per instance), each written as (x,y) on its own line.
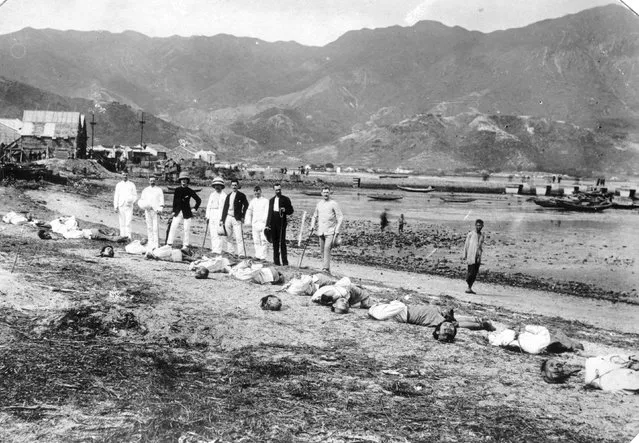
(214,215)
(152,201)
(123,200)
(256,216)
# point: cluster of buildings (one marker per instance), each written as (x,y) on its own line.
(59,134)
(43,134)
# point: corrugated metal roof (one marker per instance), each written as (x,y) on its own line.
(12,123)
(27,128)
(49,130)
(51,117)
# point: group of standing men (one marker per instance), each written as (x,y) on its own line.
(225,216)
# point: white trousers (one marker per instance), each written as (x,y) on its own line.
(218,242)
(259,241)
(186,241)
(234,234)
(151,228)
(125,215)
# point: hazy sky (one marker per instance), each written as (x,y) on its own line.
(310,22)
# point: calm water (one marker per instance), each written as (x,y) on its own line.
(600,248)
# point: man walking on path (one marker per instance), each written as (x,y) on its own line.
(329,220)
(152,201)
(257,216)
(214,215)
(123,200)
(182,210)
(472,253)
(279,208)
(233,213)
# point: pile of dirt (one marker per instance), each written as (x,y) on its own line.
(77,167)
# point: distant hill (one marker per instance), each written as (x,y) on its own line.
(116,123)
(251,98)
(472,141)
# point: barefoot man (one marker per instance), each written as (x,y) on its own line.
(472,253)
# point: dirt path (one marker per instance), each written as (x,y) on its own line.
(599,313)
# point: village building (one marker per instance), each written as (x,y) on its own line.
(207,156)
(44,134)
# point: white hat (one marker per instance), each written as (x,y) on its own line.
(218,181)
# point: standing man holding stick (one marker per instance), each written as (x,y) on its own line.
(233,213)
(182,211)
(329,221)
(473,249)
(123,199)
(279,207)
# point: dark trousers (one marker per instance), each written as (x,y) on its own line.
(471,274)
(278,227)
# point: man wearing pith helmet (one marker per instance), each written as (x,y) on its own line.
(214,215)
(182,209)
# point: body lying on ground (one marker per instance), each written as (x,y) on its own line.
(443,320)
(534,339)
(615,372)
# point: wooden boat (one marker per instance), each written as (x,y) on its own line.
(312,193)
(454,199)
(393,176)
(409,189)
(623,203)
(385,197)
(546,202)
(584,205)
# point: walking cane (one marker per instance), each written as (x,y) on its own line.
(168,228)
(299,265)
(243,242)
(206,231)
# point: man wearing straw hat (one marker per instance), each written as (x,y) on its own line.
(256,216)
(123,199)
(152,202)
(233,212)
(214,215)
(182,210)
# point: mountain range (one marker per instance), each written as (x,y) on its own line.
(572,81)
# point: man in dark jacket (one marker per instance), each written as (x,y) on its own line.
(279,207)
(233,213)
(182,210)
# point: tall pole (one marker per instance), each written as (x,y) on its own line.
(142,122)
(93,123)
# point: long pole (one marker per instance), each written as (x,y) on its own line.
(142,122)
(93,123)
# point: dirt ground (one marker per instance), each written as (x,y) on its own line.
(130,349)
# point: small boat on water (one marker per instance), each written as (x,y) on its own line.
(623,203)
(455,199)
(546,202)
(584,205)
(385,197)
(409,189)
(312,193)
(393,176)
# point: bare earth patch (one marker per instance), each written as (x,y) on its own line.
(128,349)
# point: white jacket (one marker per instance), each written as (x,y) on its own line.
(152,197)
(215,205)
(125,194)
(257,212)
